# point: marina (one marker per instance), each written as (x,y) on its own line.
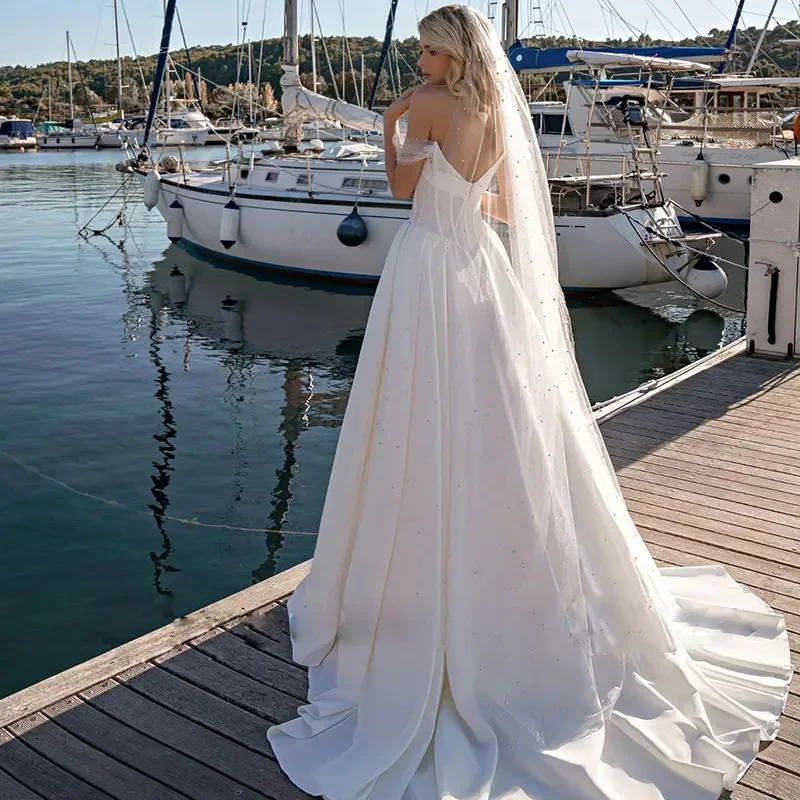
(707,465)
(187,276)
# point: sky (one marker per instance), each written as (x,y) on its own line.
(35,34)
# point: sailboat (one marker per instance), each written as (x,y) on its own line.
(706,153)
(332,215)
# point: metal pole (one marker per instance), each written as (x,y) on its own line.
(49,98)
(119,64)
(510,23)
(69,79)
(363,99)
(732,34)
(161,68)
(290,39)
(250,80)
(167,81)
(761,39)
(313,52)
(387,43)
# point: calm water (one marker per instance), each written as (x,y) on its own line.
(149,436)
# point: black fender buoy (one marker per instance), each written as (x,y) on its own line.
(352,230)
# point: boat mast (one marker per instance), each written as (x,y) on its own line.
(69,80)
(120,111)
(387,43)
(250,79)
(313,51)
(163,55)
(167,79)
(510,23)
(732,34)
(760,41)
(293,131)
(49,97)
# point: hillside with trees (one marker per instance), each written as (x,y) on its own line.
(27,91)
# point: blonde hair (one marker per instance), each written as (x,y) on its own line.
(456,32)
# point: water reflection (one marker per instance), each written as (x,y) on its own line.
(298,329)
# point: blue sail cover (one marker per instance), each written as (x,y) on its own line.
(554,59)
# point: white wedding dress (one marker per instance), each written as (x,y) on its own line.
(482,619)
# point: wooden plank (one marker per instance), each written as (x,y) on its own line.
(227,684)
(701,396)
(271,622)
(87,763)
(40,775)
(619,405)
(281,650)
(738,472)
(681,537)
(745,793)
(713,485)
(257,772)
(236,654)
(773,530)
(729,455)
(747,416)
(702,440)
(11,790)
(143,754)
(663,547)
(777,782)
(200,706)
(711,528)
(725,426)
(149,646)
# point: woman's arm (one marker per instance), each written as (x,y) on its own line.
(403,178)
(496,205)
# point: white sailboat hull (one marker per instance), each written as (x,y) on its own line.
(67,141)
(182,137)
(117,139)
(730,172)
(17,142)
(299,234)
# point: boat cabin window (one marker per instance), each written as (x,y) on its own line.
(537,122)
(272,177)
(553,123)
(730,100)
(303,180)
(375,184)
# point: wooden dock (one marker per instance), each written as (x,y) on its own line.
(710,466)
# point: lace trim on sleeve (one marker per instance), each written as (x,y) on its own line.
(409,151)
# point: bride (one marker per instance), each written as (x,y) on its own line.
(482,619)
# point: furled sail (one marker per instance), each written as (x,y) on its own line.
(302,105)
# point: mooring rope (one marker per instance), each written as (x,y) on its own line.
(122,506)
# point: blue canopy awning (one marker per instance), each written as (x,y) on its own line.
(554,59)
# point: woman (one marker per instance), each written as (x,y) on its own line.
(482,619)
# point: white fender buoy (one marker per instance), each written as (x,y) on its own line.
(175,221)
(707,277)
(177,287)
(699,184)
(232,320)
(229,226)
(152,188)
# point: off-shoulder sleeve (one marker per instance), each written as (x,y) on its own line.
(409,151)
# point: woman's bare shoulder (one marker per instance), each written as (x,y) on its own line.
(429,95)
